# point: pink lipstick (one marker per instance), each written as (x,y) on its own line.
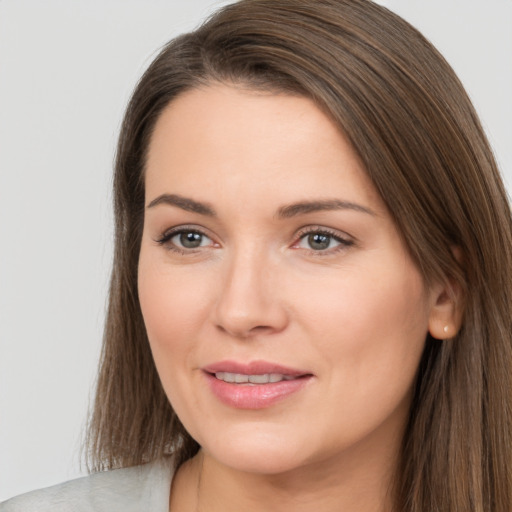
(255,385)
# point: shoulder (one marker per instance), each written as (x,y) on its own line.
(145,487)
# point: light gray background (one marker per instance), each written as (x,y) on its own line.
(66,71)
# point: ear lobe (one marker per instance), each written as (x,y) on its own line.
(446,313)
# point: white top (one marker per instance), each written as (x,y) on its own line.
(136,489)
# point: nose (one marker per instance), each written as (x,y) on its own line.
(249,301)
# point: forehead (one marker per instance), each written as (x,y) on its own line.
(244,143)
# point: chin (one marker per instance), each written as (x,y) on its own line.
(256,452)
(262,462)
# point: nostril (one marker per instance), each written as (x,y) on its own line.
(248,314)
(240,332)
(260,329)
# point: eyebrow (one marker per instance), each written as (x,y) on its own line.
(184,203)
(302,208)
(284,212)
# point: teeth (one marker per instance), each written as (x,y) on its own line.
(240,378)
(260,379)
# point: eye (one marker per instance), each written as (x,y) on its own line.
(322,241)
(189,239)
(184,239)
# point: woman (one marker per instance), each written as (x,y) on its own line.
(311,300)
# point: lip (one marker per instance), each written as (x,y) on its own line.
(259,396)
(254,368)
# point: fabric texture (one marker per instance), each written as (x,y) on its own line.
(135,489)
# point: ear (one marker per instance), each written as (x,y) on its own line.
(447,310)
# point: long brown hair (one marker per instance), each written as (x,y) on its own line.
(412,124)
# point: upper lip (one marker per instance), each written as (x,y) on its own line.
(253,368)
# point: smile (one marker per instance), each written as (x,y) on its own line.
(254,385)
(240,378)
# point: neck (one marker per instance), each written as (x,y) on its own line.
(360,481)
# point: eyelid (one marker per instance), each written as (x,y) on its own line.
(345,240)
(165,238)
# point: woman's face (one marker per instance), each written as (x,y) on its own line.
(285,316)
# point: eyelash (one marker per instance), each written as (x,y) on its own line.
(344,243)
(165,239)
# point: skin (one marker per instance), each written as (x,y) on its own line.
(354,315)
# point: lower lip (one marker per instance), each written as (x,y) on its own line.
(256,396)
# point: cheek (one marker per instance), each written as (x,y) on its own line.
(372,325)
(173,307)
(369,331)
